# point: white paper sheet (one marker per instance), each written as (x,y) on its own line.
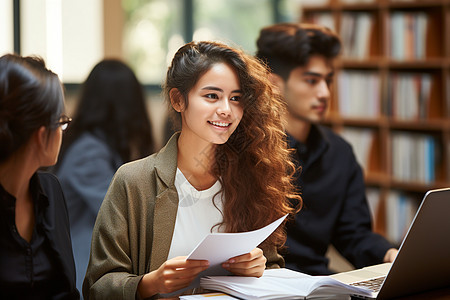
(219,247)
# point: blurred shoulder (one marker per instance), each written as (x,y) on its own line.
(87,142)
(334,138)
(47,179)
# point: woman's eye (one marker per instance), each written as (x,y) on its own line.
(211,96)
(236,98)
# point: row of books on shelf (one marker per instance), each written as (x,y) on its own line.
(407,35)
(359,94)
(408,96)
(355,34)
(373,198)
(325,2)
(323,18)
(361,140)
(400,209)
(414,155)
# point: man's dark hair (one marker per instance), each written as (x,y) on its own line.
(286,46)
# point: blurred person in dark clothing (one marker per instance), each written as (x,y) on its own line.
(335,209)
(110,127)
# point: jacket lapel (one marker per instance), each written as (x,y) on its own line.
(166,203)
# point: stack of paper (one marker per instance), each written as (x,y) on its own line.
(282,284)
(219,247)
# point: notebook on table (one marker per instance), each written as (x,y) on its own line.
(423,261)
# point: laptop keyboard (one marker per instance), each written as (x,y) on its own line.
(372,284)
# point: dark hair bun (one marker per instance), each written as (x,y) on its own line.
(6,137)
(30,97)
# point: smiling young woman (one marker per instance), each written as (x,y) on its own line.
(213,176)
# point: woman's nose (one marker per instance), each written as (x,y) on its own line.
(224,108)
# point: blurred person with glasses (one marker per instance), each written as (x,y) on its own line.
(110,126)
(64,122)
(36,260)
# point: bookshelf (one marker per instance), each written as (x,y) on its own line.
(391,98)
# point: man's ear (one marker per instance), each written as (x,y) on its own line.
(278,82)
(176,99)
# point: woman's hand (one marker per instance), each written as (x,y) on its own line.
(174,274)
(250,264)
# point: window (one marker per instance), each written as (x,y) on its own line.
(67,34)
(70,35)
(155,29)
(153,32)
(234,22)
(6,27)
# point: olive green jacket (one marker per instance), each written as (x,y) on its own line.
(134,227)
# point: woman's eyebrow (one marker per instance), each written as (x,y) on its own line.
(213,88)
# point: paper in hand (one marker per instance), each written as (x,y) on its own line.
(219,247)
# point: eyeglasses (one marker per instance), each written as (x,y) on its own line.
(64,122)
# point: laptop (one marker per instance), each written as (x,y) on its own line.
(423,261)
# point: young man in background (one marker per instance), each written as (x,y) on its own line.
(335,209)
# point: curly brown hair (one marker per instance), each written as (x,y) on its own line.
(254,165)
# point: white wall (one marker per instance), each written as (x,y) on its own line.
(6,27)
(67,34)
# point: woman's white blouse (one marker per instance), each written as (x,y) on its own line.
(196,215)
